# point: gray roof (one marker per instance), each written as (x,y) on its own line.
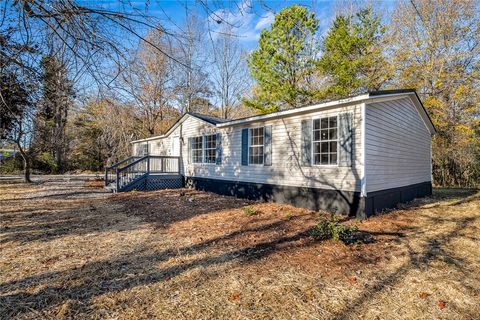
(209,119)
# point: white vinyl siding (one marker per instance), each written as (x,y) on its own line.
(286,154)
(397,145)
(142,149)
(397,149)
(286,144)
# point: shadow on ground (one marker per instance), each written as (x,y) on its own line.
(189,230)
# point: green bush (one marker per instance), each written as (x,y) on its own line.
(11,165)
(322,230)
(333,229)
(250,211)
(46,163)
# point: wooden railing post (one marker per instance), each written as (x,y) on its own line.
(148,164)
(117,180)
(178,165)
(106,177)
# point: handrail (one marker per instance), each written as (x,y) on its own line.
(132,164)
(121,162)
(167,157)
(141,166)
(110,170)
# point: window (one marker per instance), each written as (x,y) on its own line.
(255,150)
(210,148)
(197,151)
(142,150)
(325,141)
(204,149)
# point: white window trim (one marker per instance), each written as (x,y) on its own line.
(205,149)
(204,138)
(248,149)
(192,151)
(312,153)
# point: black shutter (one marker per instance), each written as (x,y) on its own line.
(204,145)
(306,150)
(245,147)
(218,153)
(267,152)
(189,150)
(345,139)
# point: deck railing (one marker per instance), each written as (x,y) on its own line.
(133,168)
(110,171)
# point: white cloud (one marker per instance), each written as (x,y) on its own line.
(265,21)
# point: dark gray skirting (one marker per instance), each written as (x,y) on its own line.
(378,201)
(311,198)
(337,201)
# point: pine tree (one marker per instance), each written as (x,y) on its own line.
(352,57)
(284,63)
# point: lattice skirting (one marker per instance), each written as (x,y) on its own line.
(156,183)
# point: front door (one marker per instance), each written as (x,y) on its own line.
(176,147)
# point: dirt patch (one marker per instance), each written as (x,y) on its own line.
(71,250)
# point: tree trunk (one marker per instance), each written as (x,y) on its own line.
(26,163)
(26,168)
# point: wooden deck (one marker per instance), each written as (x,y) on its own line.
(144,173)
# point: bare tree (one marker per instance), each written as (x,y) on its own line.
(436,49)
(101,133)
(192,79)
(230,76)
(95,41)
(148,80)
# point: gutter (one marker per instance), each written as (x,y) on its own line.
(274,115)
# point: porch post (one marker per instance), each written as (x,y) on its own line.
(116,180)
(106,177)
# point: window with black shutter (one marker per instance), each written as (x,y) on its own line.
(325,141)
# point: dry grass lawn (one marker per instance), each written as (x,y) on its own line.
(70,250)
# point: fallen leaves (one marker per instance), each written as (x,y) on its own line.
(424,295)
(151,254)
(352,280)
(441,304)
(234,296)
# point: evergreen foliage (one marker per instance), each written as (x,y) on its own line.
(352,58)
(284,63)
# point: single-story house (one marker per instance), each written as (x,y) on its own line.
(358,155)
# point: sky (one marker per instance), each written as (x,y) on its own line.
(246,17)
